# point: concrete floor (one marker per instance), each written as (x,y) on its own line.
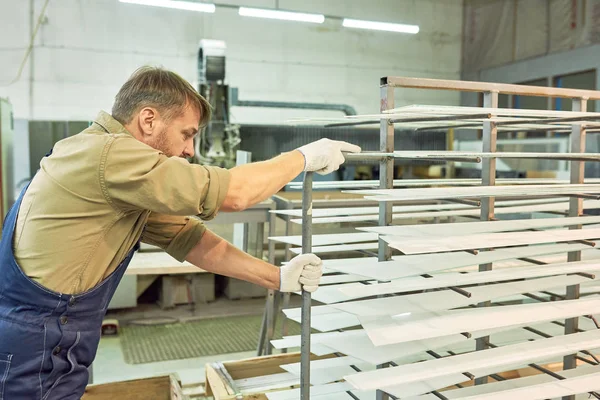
(110,365)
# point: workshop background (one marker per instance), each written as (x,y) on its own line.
(62,61)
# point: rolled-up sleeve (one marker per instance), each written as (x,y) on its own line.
(135,176)
(174,234)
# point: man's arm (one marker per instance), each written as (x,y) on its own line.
(216,255)
(252,183)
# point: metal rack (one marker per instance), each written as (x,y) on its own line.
(489,127)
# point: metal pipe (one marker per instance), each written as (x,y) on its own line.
(306,297)
(575,209)
(470,86)
(547,120)
(415,119)
(262,333)
(235,101)
(488,178)
(469,202)
(386,181)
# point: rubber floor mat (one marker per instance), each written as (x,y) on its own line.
(152,343)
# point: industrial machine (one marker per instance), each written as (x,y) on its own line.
(217,144)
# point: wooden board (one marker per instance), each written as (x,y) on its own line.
(475,191)
(461,110)
(428,230)
(158,388)
(356,291)
(356,343)
(407,328)
(570,386)
(249,368)
(330,212)
(418,116)
(445,300)
(340,278)
(328,239)
(414,265)
(331,322)
(487,240)
(338,248)
(517,379)
(491,359)
(461,212)
(319,390)
(159,263)
(467,228)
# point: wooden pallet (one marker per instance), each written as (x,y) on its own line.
(221,377)
(158,388)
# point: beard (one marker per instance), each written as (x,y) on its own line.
(161,143)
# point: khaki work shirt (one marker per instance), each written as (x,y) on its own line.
(100,192)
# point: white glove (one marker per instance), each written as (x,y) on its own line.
(303,271)
(325,155)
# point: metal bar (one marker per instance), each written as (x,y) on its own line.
(575,209)
(437,356)
(460,291)
(547,120)
(583,195)
(271,294)
(547,371)
(386,181)
(589,353)
(585,360)
(594,320)
(268,321)
(488,178)
(470,156)
(534,297)
(469,86)
(289,227)
(409,120)
(262,334)
(235,101)
(497,377)
(539,368)
(306,298)
(584,274)
(532,261)
(371,156)
(469,202)
(439,395)
(442,127)
(375,156)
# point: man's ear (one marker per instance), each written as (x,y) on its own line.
(147,118)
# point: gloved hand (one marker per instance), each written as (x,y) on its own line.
(325,155)
(303,271)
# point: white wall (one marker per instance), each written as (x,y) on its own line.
(87,48)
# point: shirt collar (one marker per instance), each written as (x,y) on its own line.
(109,124)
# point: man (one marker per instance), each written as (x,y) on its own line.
(71,234)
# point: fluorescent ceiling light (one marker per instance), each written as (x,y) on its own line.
(181,5)
(380,26)
(284,15)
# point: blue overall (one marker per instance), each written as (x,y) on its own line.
(47,339)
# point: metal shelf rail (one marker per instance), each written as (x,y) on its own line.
(489,127)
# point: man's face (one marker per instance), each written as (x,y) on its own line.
(176,138)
